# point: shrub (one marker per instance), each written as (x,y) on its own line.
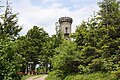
(93,76)
(55,75)
(116,74)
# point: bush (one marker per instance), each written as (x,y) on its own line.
(93,76)
(55,75)
(116,74)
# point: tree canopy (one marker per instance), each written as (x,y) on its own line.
(93,53)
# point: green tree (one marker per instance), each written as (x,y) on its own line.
(110,27)
(66,59)
(10,61)
(54,42)
(97,45)
(110,17)
(22,46)
(100,39)
(8,24)
(36,47)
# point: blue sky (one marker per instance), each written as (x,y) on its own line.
(45,13)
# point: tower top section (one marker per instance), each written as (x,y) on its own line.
(65,19)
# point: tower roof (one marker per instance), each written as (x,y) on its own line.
(65,19)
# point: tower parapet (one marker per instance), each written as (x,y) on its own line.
(65,19)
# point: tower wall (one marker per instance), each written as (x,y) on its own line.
(65,26)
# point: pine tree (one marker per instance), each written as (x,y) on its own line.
(110,16)
(8,25)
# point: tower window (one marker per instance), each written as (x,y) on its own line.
(66,30)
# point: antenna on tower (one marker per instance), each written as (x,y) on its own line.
(65,14)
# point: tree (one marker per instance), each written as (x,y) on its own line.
(110,26)
(110,16)
(54,42)
(66,58)
(97,46)
(22,46)
(37,40)
(98,39)
(10,61)
(8,25)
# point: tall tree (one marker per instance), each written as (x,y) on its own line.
(8,25)
(37,39)
(98,45)
(110,16)
(99,42)
(10,59)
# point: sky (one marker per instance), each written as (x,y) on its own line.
(44,13)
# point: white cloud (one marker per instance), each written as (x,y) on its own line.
(46,17)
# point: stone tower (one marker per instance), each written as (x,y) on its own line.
(65,26)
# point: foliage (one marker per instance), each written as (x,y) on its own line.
(116,73)
(54,42)
(55,75)
(97,46)
(37,39)
(93,76)
(10,61)
(97,40)
(33,47)
(66,59)
(8,24)
(94,53)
